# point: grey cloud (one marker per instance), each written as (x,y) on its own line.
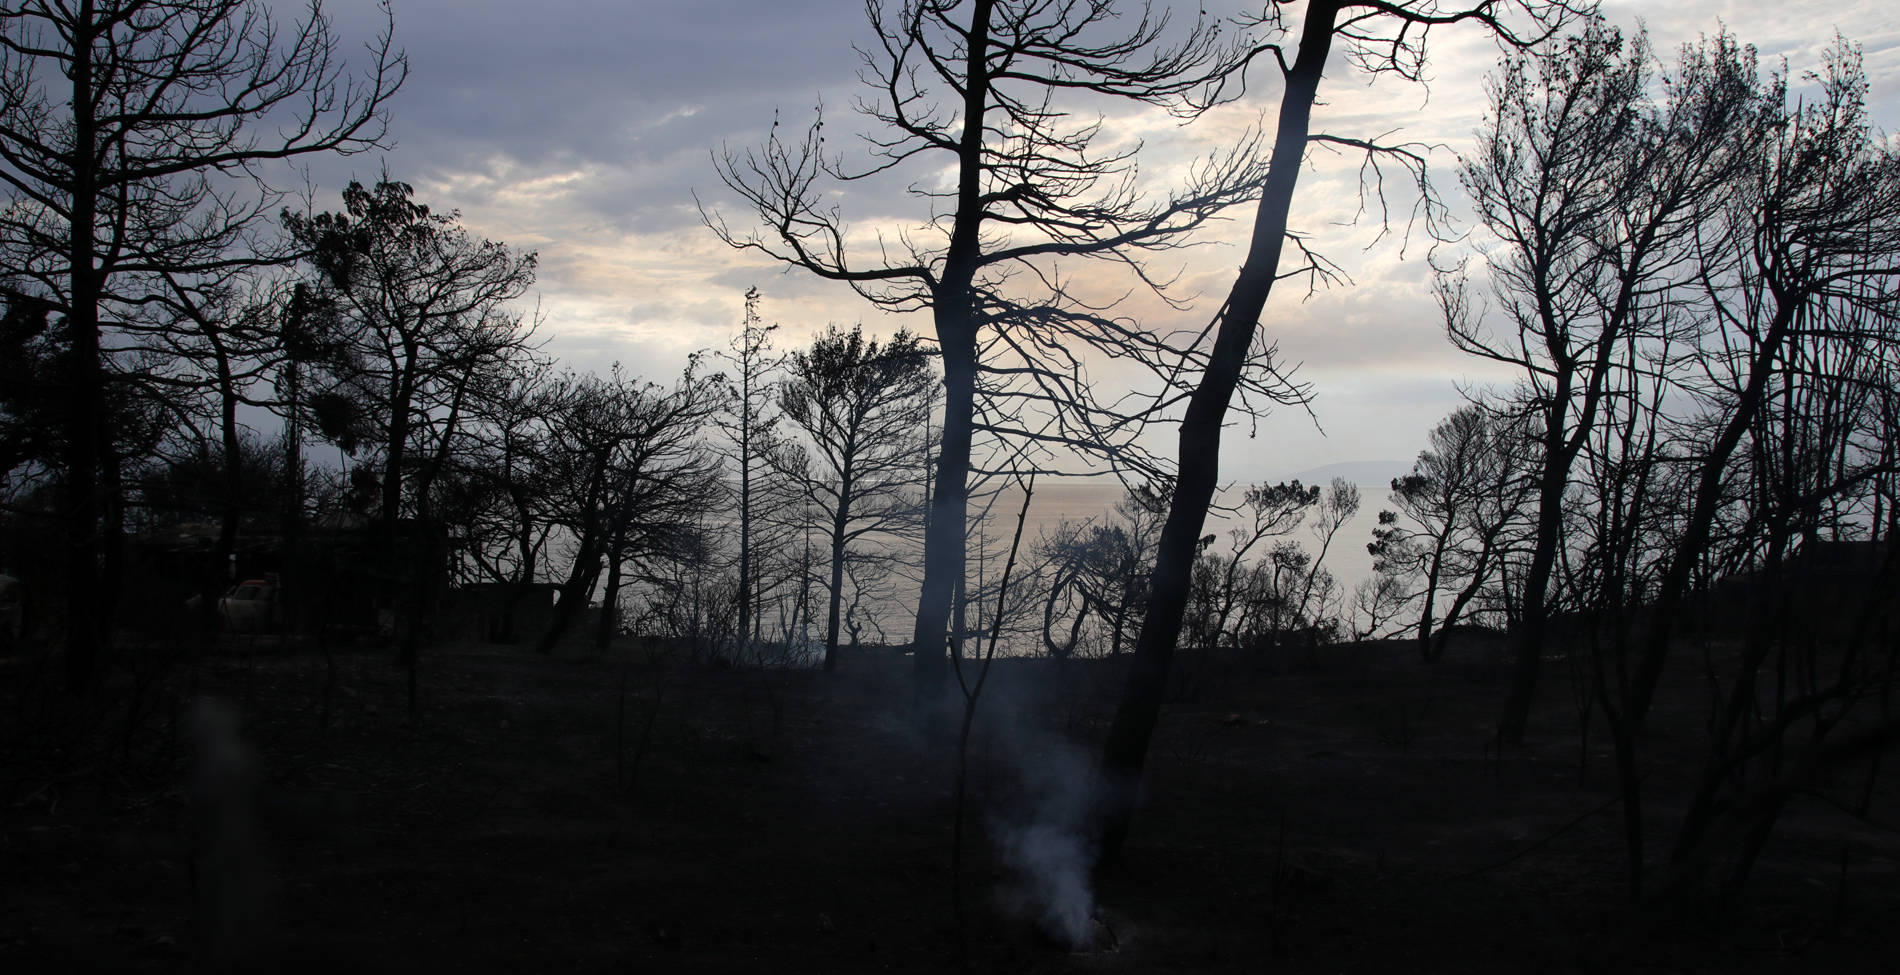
(634,97)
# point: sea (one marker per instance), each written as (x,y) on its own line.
(1084,500)
(1080,500)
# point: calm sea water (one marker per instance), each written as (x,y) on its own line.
(1081,500)
(1077,500)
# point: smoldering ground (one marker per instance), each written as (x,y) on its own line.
(1288,828)
(231,888)
(1040,807)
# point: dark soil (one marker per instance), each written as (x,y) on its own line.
(1340,814)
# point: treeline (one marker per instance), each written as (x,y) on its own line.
(1692,263)
(165,302)
(1260,585)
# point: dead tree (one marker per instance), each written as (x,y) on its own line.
(982,87)
(1595,195)
(1814,224)
(751,436)
(864,406)
(120,125)
(630,476)
(1382,37)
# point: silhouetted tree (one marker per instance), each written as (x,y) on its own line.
(1809,240)
(1809,269)
(629,475)
(751,432)
(428,309)
(494,489)
(30,361)
(1101,569)
(978,87)
(1683,291)
(864,407)
(216,335)
(1381,38)
(122,125)
(1458,496)
(1271,511)
(1597,195)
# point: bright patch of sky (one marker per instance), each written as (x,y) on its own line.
(582,129)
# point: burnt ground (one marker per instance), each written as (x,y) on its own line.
(1345,814)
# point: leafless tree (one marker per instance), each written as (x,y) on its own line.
(1724,305)
(987,89)
(1100,569)
(1380,38)
(1803,299)
(1811,233)
(494,489)
(1595,195)
(751,433)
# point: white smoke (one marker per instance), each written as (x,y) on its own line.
(1048,839)
(229,885)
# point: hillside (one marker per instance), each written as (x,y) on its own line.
(1336,813)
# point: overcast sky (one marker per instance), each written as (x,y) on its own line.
(582,128)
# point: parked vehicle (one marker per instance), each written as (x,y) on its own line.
(251,606)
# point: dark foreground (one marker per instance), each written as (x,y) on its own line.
(621,814)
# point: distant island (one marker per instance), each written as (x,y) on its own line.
(1356,471)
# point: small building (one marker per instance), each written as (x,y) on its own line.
(1826,589)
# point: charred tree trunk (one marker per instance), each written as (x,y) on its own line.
(1134,724)
(944,542)
(955,308)
(87,621)
(574,590)
(609,599)
(840,523)
(290,573)
(1426,646)
(746,584)
(233,470)
(1456,611)
(1527,637)
(1063,651)
(1707,498)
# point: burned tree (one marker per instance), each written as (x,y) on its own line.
(1462,498)
(864,407)
(428,308)
(492,494)
(630,477)
(1101,569)
(1703,311)
(751,435)
(1223,594)
(1597,196)
(981,87)
(1382,38)
(122,125)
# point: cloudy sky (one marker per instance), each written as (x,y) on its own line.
(583,128)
